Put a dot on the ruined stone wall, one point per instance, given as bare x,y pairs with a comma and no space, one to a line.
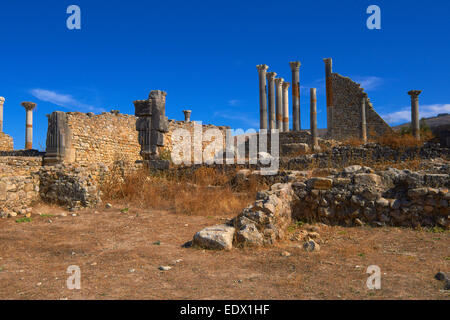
346,114
19,184
102,138
108,137
189,126
6,142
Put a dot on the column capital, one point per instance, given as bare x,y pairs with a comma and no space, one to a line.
279,81
2,100
286,85
363,95
295,65
262,67
414,93
271,76
29,106
328,60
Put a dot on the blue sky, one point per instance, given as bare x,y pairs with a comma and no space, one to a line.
204,54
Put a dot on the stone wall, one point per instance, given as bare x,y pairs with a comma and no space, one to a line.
19,184
359,195
346,113
90,138
105,138
6,142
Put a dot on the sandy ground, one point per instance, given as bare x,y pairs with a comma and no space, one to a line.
119,255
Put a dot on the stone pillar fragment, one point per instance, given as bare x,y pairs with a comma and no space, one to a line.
59,144
2,101
295,68
152,124
286,106
329,92
262,70
271,79
279,104
187,115
363,118
415,124
313,119
29,107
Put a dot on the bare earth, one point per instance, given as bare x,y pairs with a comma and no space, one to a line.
119,258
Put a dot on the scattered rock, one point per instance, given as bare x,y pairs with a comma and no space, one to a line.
311,246
164,268
219,237
108,206
285,254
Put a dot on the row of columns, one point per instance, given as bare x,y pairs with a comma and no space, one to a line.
275,113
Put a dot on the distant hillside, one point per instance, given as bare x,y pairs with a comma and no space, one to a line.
432,122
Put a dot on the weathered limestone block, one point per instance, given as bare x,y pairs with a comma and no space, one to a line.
219,237
249,235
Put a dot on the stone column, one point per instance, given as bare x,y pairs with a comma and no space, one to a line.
313,119
279,123
329,92
286,106
415,124
271,79
2,101
295,68
187,115
29,107
262,70
363,118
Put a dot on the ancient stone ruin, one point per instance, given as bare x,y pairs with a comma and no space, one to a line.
82,149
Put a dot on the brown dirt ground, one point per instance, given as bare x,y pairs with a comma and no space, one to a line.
108,244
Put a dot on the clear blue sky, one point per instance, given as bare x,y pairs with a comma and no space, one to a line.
204,54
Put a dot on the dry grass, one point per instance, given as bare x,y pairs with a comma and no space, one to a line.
402,140
353,142
205,191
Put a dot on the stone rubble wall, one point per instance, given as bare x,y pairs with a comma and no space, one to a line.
346,114
6,142
71,185
359,195
343,156
19,184
352,197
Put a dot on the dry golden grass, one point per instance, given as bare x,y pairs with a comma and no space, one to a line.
353,142
205,191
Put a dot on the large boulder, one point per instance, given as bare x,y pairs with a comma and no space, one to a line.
218,237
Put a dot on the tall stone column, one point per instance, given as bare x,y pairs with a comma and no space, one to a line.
2,101
29,107
262,72
329,92
286,106
271,80
187,115
313,119
295,68
279,111
363,118
415,124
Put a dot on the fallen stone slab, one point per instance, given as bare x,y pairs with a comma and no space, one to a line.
218,237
